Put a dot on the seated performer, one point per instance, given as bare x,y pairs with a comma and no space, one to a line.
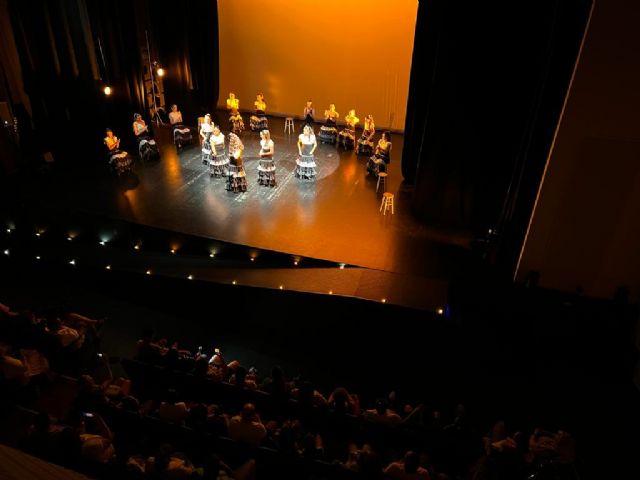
347,137
259,121
305,164
381,158
365,142
147,147
219,164
118,159
205,133
309,114
236,123
328,132
232,103
140,128
266,166
236,180
181,133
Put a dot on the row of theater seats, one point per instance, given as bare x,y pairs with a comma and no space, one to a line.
144,434
152,381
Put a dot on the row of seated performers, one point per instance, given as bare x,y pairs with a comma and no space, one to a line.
257,122
119,159
380,155
122,162
328,132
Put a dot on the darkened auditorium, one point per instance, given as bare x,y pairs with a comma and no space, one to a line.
319,239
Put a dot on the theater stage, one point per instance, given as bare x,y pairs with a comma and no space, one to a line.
336,218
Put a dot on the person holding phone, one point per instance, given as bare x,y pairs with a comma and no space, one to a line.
96,438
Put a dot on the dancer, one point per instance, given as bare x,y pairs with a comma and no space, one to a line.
365,142
233,103
309,114
305,164
206,128
259,121
236,180
266,166
328,132
236,124
140,128
118,159
382,156
147,148
181,133
219,165
347,137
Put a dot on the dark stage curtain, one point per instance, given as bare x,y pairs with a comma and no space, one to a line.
70,49
186,37
484,104
57,42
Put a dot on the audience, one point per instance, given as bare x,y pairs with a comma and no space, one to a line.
407,469
300,423
247,427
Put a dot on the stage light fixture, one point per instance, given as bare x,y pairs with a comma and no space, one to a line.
136,247
72,262
234,282
148,272
160,71
440,311
295,262
212,254
341,265
281,287
107,90
6,252
173,251
384,300
330,292
69,238
108,267
37,257
37,234
190,277
8,230
103,243
253,259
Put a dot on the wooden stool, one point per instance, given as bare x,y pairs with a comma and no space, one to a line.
288,125
382,180
387,203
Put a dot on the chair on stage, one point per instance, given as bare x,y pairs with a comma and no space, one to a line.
288,125
382,181
387,203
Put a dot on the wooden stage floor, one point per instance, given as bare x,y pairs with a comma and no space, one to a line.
335,218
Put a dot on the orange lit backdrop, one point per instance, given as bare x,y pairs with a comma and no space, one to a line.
356,54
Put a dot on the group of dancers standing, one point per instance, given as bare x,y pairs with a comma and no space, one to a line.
231,164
